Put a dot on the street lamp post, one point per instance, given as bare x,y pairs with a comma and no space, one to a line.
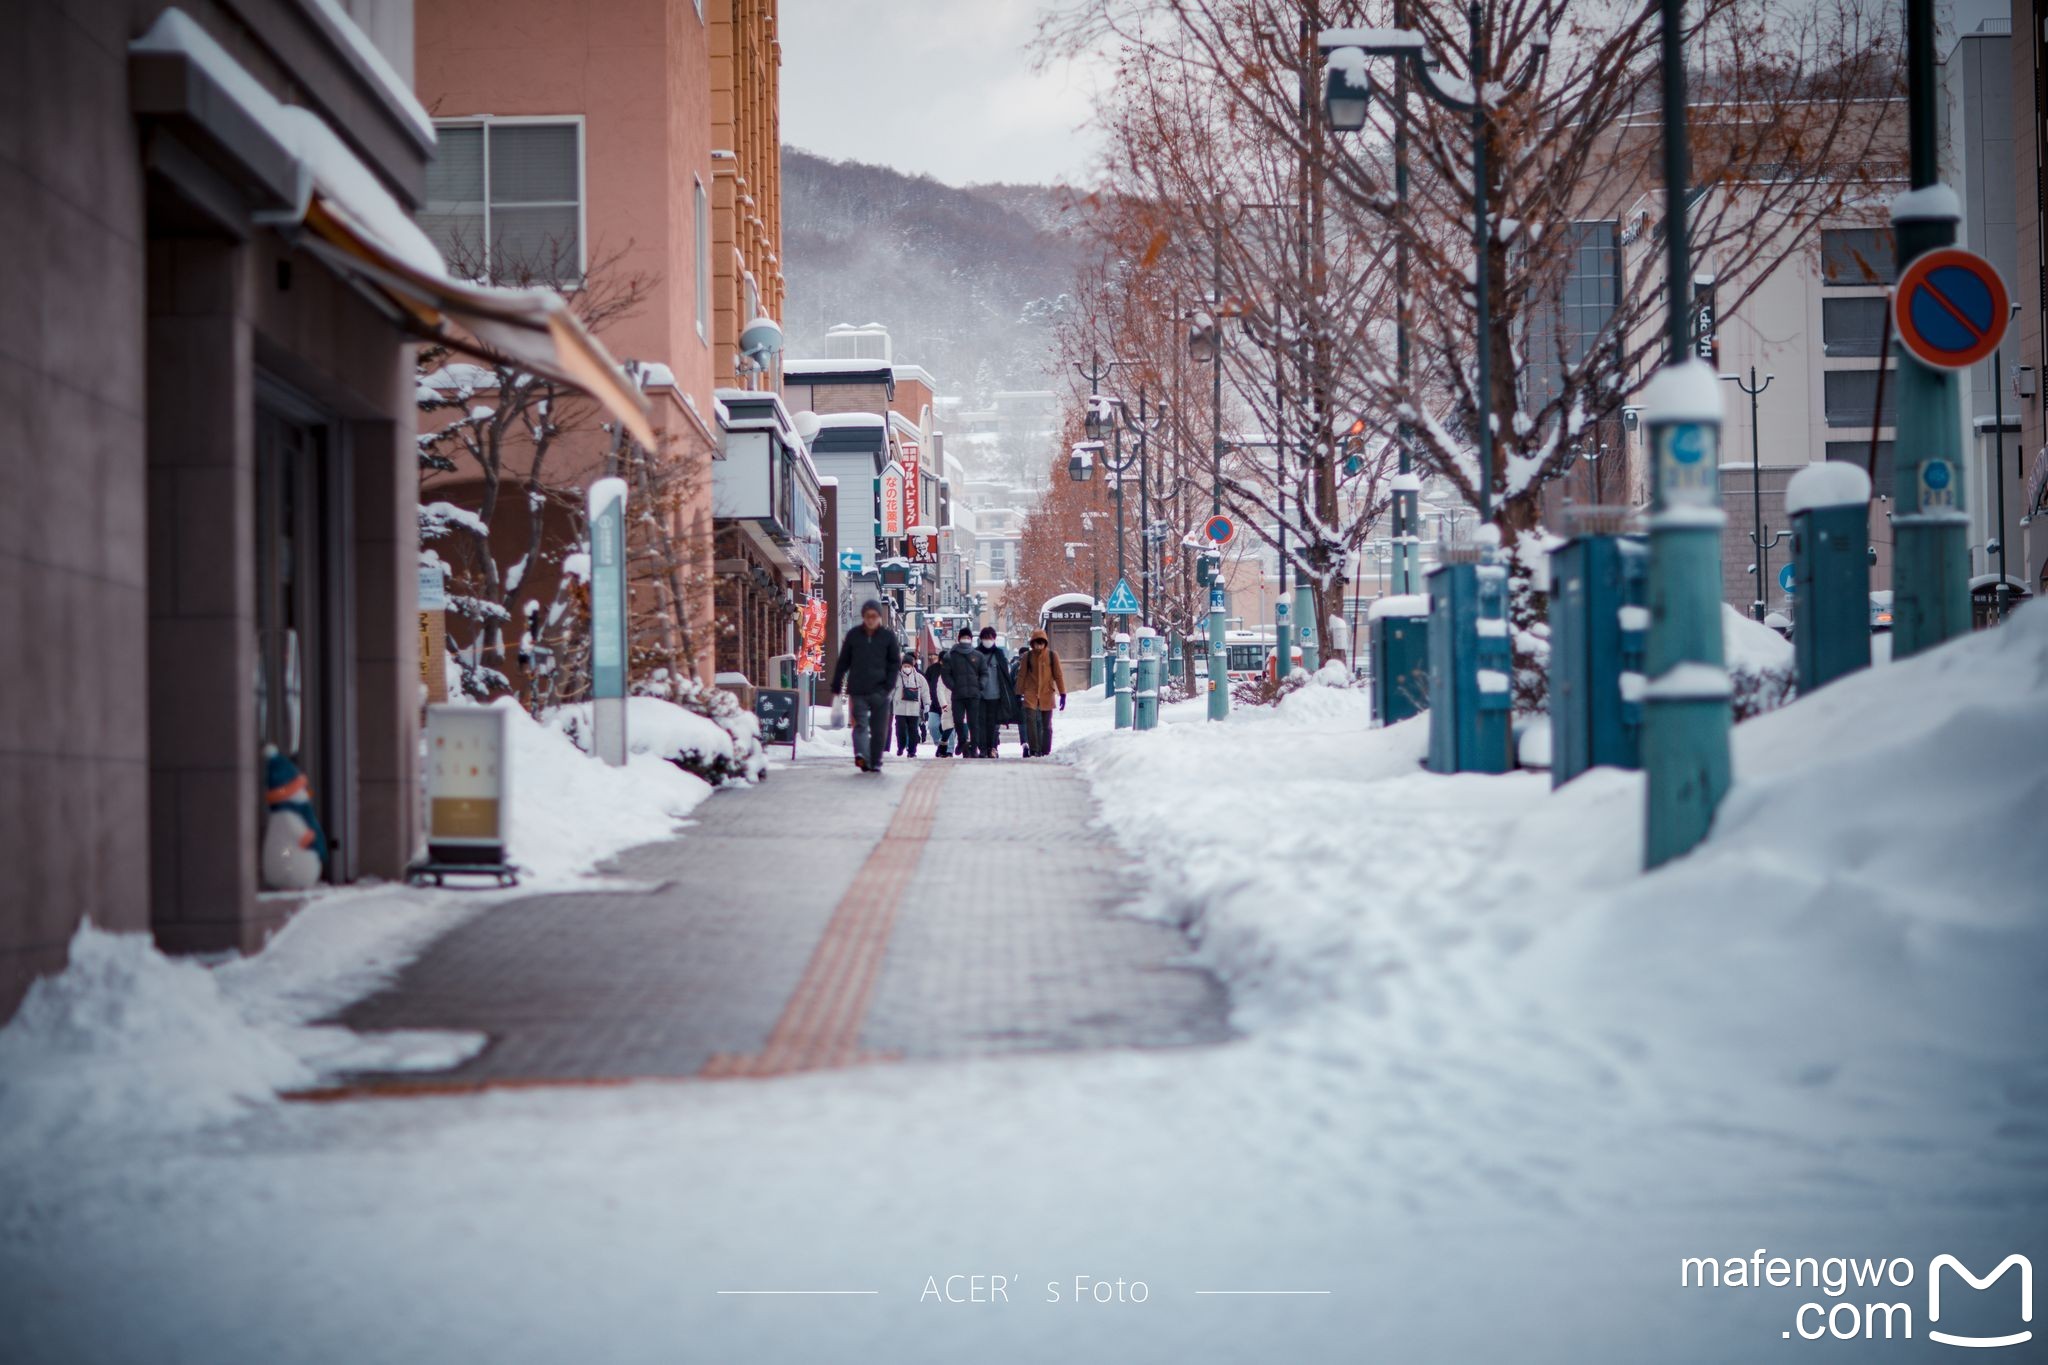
1931,570
1686,700
1345,91
1998,467
1762,568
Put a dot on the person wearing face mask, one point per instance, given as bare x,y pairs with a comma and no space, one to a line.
913,699
1041,687
963,669
997,699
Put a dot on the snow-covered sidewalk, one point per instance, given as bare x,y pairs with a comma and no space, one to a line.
1495,1083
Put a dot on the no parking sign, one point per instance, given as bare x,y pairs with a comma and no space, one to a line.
1950,308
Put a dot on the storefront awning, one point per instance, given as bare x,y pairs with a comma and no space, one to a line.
297,175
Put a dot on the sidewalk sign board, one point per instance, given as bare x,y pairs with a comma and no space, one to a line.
466,776
776,709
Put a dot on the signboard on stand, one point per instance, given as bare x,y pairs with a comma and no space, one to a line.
608,617
466,776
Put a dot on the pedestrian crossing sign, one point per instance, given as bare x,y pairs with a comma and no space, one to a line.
1122,602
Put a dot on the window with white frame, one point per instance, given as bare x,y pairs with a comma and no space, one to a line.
703,205
505,199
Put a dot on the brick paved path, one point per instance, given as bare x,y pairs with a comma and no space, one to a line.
826,918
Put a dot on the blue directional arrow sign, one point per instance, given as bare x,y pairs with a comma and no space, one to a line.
1786,581
851,561
1122,602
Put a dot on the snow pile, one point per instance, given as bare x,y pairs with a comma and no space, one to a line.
128,1040
569,812
1849,965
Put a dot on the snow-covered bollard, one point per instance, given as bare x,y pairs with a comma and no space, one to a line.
1686,715
1829,504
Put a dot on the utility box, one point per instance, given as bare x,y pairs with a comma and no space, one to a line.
1599,623
1399,632
1829,504
1470,668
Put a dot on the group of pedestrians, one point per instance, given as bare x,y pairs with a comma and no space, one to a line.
960,700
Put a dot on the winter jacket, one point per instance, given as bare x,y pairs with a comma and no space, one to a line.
965,670
913,694
867,663
995,677
1040,684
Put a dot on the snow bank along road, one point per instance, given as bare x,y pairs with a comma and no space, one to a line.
1493,1088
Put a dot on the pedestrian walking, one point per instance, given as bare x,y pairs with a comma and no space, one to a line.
913,699
964,670
1041,688
869,660
944,729
998,699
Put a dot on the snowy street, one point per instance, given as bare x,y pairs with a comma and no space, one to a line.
1477,1058
1023,682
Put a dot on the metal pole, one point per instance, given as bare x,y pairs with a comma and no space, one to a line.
1756,495
1998,465
1930,521
1481,281
1144,514
1405,502
1686,715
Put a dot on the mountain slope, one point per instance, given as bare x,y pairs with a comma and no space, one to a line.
948,271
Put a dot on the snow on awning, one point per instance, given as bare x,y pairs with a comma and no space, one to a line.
353,224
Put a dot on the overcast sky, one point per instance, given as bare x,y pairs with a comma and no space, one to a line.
945,87
942,87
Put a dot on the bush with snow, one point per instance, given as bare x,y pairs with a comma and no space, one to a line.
705,732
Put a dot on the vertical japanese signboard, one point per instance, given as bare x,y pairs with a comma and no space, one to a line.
608,618
913,496
893,520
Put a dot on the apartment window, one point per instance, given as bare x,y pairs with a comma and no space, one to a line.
1851,256
703,205
1849,395
1858,454
1852,327
505,200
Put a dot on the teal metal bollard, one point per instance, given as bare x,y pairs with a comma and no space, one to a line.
1685,700
1145,700
1305,627
1283,639
1120,679
1829,504
1399,630
1096,663
1469,676
1598,626
1219,677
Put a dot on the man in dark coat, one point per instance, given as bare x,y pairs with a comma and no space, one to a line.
998,695
869,657
965,668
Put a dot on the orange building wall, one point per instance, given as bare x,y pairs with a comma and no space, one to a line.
639,74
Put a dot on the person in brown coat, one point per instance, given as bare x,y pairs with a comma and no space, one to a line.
1040,688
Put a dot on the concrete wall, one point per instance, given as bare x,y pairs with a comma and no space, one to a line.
2030,344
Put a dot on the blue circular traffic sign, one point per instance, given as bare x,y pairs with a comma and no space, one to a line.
1689,443
1950,308
1935,474
1787,580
